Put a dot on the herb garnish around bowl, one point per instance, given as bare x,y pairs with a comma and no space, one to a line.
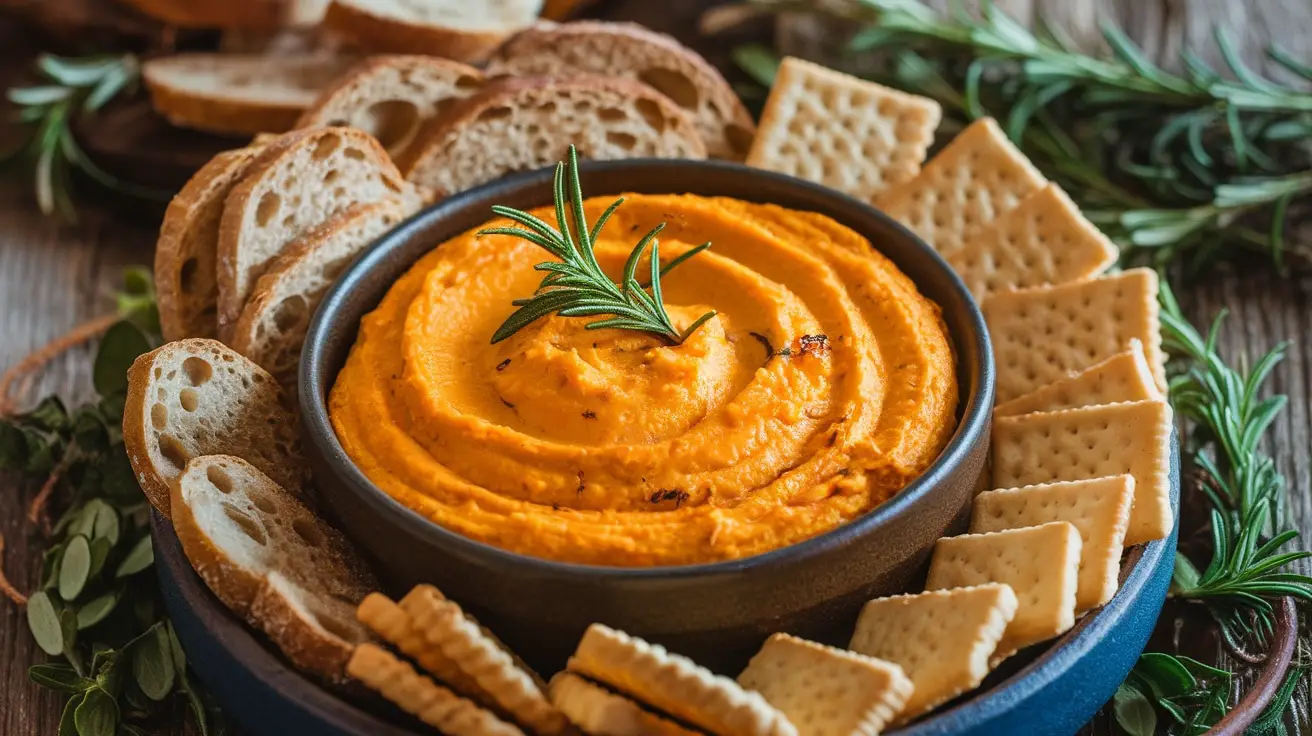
576,286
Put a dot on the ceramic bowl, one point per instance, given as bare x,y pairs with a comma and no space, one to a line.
719,612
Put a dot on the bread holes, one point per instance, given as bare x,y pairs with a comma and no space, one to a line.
268,208
248,526
308,531
159,416
392,122
261,501
468,82
290,312
355,154
198,371
327,144
547,107
652,113
189,398
219,478
622,140
500,112
331,176
611,114
172,450
674,85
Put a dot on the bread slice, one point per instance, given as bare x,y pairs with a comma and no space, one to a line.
186,283
238,94
454,29
272,327
196,397
633,52
389,97
525,123
248,14
297,183
317,632
272,561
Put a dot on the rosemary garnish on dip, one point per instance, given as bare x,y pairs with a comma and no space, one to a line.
575,286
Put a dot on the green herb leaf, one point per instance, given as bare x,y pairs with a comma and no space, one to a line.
139,558
97,715
74,568
1133,712
152,663
121,345
95,610
58,677
1186,575
67,723
1164,674
43,620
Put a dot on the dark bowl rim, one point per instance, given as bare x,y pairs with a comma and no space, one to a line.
314,384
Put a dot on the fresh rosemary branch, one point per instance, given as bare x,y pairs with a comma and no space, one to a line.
97,608
1241,483
71,87
576,286
1170,165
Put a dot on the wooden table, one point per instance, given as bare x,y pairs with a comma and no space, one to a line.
54,276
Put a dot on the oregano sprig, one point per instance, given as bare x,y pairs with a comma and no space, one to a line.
575,285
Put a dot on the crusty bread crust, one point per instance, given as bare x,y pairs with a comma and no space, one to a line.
193,215
235,288
433,141
633,52
391,35
317,633
250,14
186,109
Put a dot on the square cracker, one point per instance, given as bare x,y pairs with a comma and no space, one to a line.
1125,376
1043,334
1099,509
973,180
1040,563
675,684
849,134
594,709
419,696
1094,442
826,691
942,639
1045,240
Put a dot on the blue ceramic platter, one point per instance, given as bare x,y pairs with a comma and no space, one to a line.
1054,690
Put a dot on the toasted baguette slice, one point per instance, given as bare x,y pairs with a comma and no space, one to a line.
247,14
234,94
273,324
525,123
185,273
196,397
317,632
298,182
454,29
389,97
631,51
236,525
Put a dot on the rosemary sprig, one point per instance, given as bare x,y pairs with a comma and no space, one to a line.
1241,483
1170,165
575,286
71,87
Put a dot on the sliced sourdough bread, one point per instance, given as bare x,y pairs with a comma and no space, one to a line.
252,14
317,632
271,560
525,123
297,183
631,51
186,278
390,97
238,94
455,29
196,397
272,327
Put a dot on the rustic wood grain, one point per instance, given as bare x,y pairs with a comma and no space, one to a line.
54,276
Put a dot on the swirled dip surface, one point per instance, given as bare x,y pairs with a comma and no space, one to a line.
824,385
